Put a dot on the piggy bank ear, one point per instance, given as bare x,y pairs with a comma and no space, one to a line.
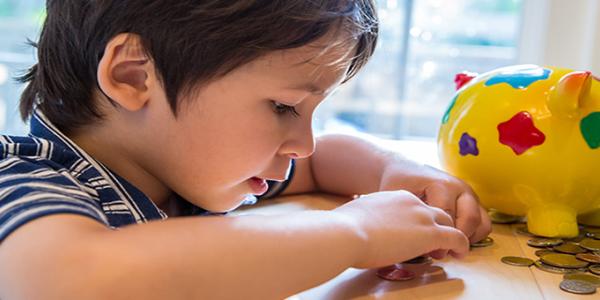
463,78
570,93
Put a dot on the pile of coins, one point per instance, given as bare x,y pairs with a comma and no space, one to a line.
574,258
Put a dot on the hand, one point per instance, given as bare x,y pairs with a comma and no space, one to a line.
439,189
397,226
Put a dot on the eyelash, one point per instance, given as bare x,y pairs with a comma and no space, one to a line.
281,109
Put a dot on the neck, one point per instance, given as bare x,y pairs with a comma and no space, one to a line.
100,143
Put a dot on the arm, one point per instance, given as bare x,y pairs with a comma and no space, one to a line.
66,257
245,257
363,167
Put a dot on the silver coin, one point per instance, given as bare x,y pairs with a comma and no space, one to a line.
577,287
544,242
589,278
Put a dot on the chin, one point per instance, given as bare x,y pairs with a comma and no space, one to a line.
224,204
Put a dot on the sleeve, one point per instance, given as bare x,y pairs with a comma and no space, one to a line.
29,191
277,187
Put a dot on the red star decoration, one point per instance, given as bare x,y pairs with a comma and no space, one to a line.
520,134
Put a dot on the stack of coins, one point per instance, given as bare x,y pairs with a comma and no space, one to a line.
577,259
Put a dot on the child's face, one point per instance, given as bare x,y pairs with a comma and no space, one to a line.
230,132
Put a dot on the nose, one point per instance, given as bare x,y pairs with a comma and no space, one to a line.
300,141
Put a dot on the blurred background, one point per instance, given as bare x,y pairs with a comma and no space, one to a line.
404,90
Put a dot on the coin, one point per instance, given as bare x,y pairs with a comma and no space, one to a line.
419,260
517,261
569,248
542,252
522,230
591,229
502,218
595,269
576,239
395,273
595,280
590,244
577,287
563,261
589,257
488,241
556,270
543,242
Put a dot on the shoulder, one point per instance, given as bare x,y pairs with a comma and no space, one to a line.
33,185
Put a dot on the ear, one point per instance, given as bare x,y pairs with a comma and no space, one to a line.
125,73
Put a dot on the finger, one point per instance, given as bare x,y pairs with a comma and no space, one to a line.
454,241
468,214
441,217
439,253
439,196
484,228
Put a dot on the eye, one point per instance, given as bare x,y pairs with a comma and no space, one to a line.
282,109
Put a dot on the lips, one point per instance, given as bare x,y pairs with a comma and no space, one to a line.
259,186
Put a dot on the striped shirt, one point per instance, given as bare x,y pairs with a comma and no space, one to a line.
46,173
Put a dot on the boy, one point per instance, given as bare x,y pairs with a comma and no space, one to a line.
144,109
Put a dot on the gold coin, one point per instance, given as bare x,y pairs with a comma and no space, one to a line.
569,248
589,257
556,270
543,242
542,252
502,218
522,230
595,280
517,261
590,244
576,239
591,229
577,287
595,269
563,261
488,241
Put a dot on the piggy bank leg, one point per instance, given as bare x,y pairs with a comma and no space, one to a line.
552,220
590,219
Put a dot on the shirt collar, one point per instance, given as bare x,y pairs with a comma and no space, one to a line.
142,208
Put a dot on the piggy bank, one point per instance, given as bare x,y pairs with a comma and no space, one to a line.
527,139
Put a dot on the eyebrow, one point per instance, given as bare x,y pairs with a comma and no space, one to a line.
310,87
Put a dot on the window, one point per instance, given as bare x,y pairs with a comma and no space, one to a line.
19,20
404,90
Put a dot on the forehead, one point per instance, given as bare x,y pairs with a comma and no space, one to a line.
320,64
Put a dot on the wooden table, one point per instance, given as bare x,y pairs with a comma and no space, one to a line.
481,275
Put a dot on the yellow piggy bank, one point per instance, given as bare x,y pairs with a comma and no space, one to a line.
527,139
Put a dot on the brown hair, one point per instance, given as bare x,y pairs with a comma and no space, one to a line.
189,41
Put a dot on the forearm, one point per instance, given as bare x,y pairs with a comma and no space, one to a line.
249,257
348,165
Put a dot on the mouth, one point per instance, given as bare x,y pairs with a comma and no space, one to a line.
259,186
